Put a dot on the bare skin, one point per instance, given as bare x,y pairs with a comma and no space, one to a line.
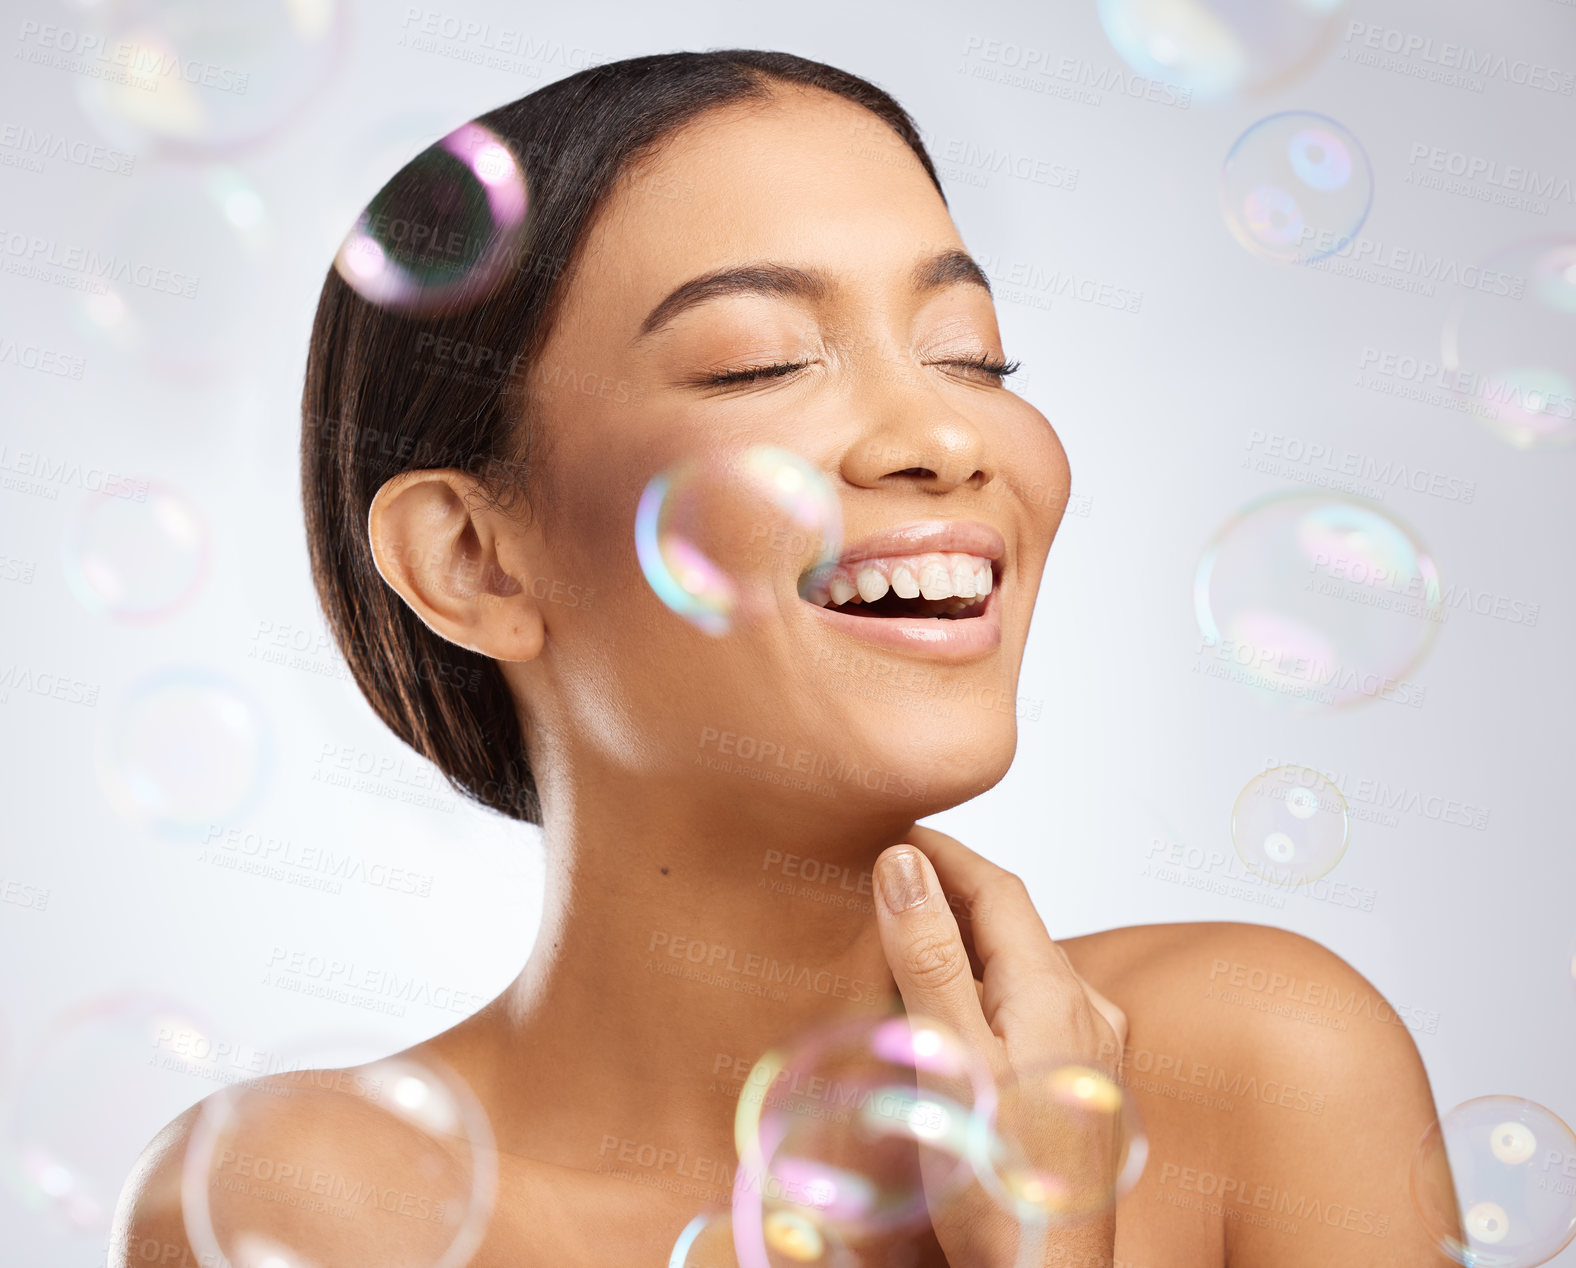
650,847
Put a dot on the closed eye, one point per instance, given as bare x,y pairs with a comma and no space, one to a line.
993,367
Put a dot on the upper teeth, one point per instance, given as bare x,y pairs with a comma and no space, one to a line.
934,575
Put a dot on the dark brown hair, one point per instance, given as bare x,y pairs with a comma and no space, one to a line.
372,407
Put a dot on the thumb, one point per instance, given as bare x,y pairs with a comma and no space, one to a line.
924,948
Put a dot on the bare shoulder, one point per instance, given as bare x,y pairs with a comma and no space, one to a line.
330,1163
148,1227
1302,1077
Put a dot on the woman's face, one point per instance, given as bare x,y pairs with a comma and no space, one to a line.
852,283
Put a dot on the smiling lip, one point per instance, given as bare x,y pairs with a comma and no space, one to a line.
932,637
967,537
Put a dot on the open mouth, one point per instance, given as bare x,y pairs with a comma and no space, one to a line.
944,585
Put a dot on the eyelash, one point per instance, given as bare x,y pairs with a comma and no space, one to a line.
987,364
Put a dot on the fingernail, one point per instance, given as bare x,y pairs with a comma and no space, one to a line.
902,880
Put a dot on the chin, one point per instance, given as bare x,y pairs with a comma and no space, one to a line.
926,763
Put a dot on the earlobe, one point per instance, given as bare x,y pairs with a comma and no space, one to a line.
443,558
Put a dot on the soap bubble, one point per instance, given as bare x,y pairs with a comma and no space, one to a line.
863,1125
177,276
1317,601
1511,346
392,1162
717,537
1492,1181
1052,1122
198,79
1296,187
1290,825
1220,49
785,1239
95,1089
186,748
137,551
445,232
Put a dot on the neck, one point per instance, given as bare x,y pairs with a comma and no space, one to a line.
680,940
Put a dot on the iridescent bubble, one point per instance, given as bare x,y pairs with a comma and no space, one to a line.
185,748
445,232
1220,49
1510,344
1296,187
136,551
1317,602
198,79
105,1077
177,273
1068,1143
289,1171
1290,825
721,539
863,1126
785,1239
1492,1181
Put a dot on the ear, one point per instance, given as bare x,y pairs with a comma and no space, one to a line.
462,565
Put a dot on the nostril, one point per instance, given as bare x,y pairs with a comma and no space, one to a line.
923,473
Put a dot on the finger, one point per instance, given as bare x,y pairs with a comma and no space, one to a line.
924,949
1003,921
1030,984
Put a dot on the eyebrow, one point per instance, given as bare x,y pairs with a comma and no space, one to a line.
947,268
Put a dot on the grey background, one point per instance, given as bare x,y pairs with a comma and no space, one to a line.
1469,928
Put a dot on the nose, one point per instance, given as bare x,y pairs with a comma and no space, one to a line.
914,438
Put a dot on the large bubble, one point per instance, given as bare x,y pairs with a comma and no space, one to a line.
391,1163
104,1078
1317,602
1510,346
1068,1142
1221,49
861,1127
445,232
1492,1180
185,748
177,274
1296,187
137,552
719,538
201,79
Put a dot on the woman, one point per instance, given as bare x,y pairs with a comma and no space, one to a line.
741,248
